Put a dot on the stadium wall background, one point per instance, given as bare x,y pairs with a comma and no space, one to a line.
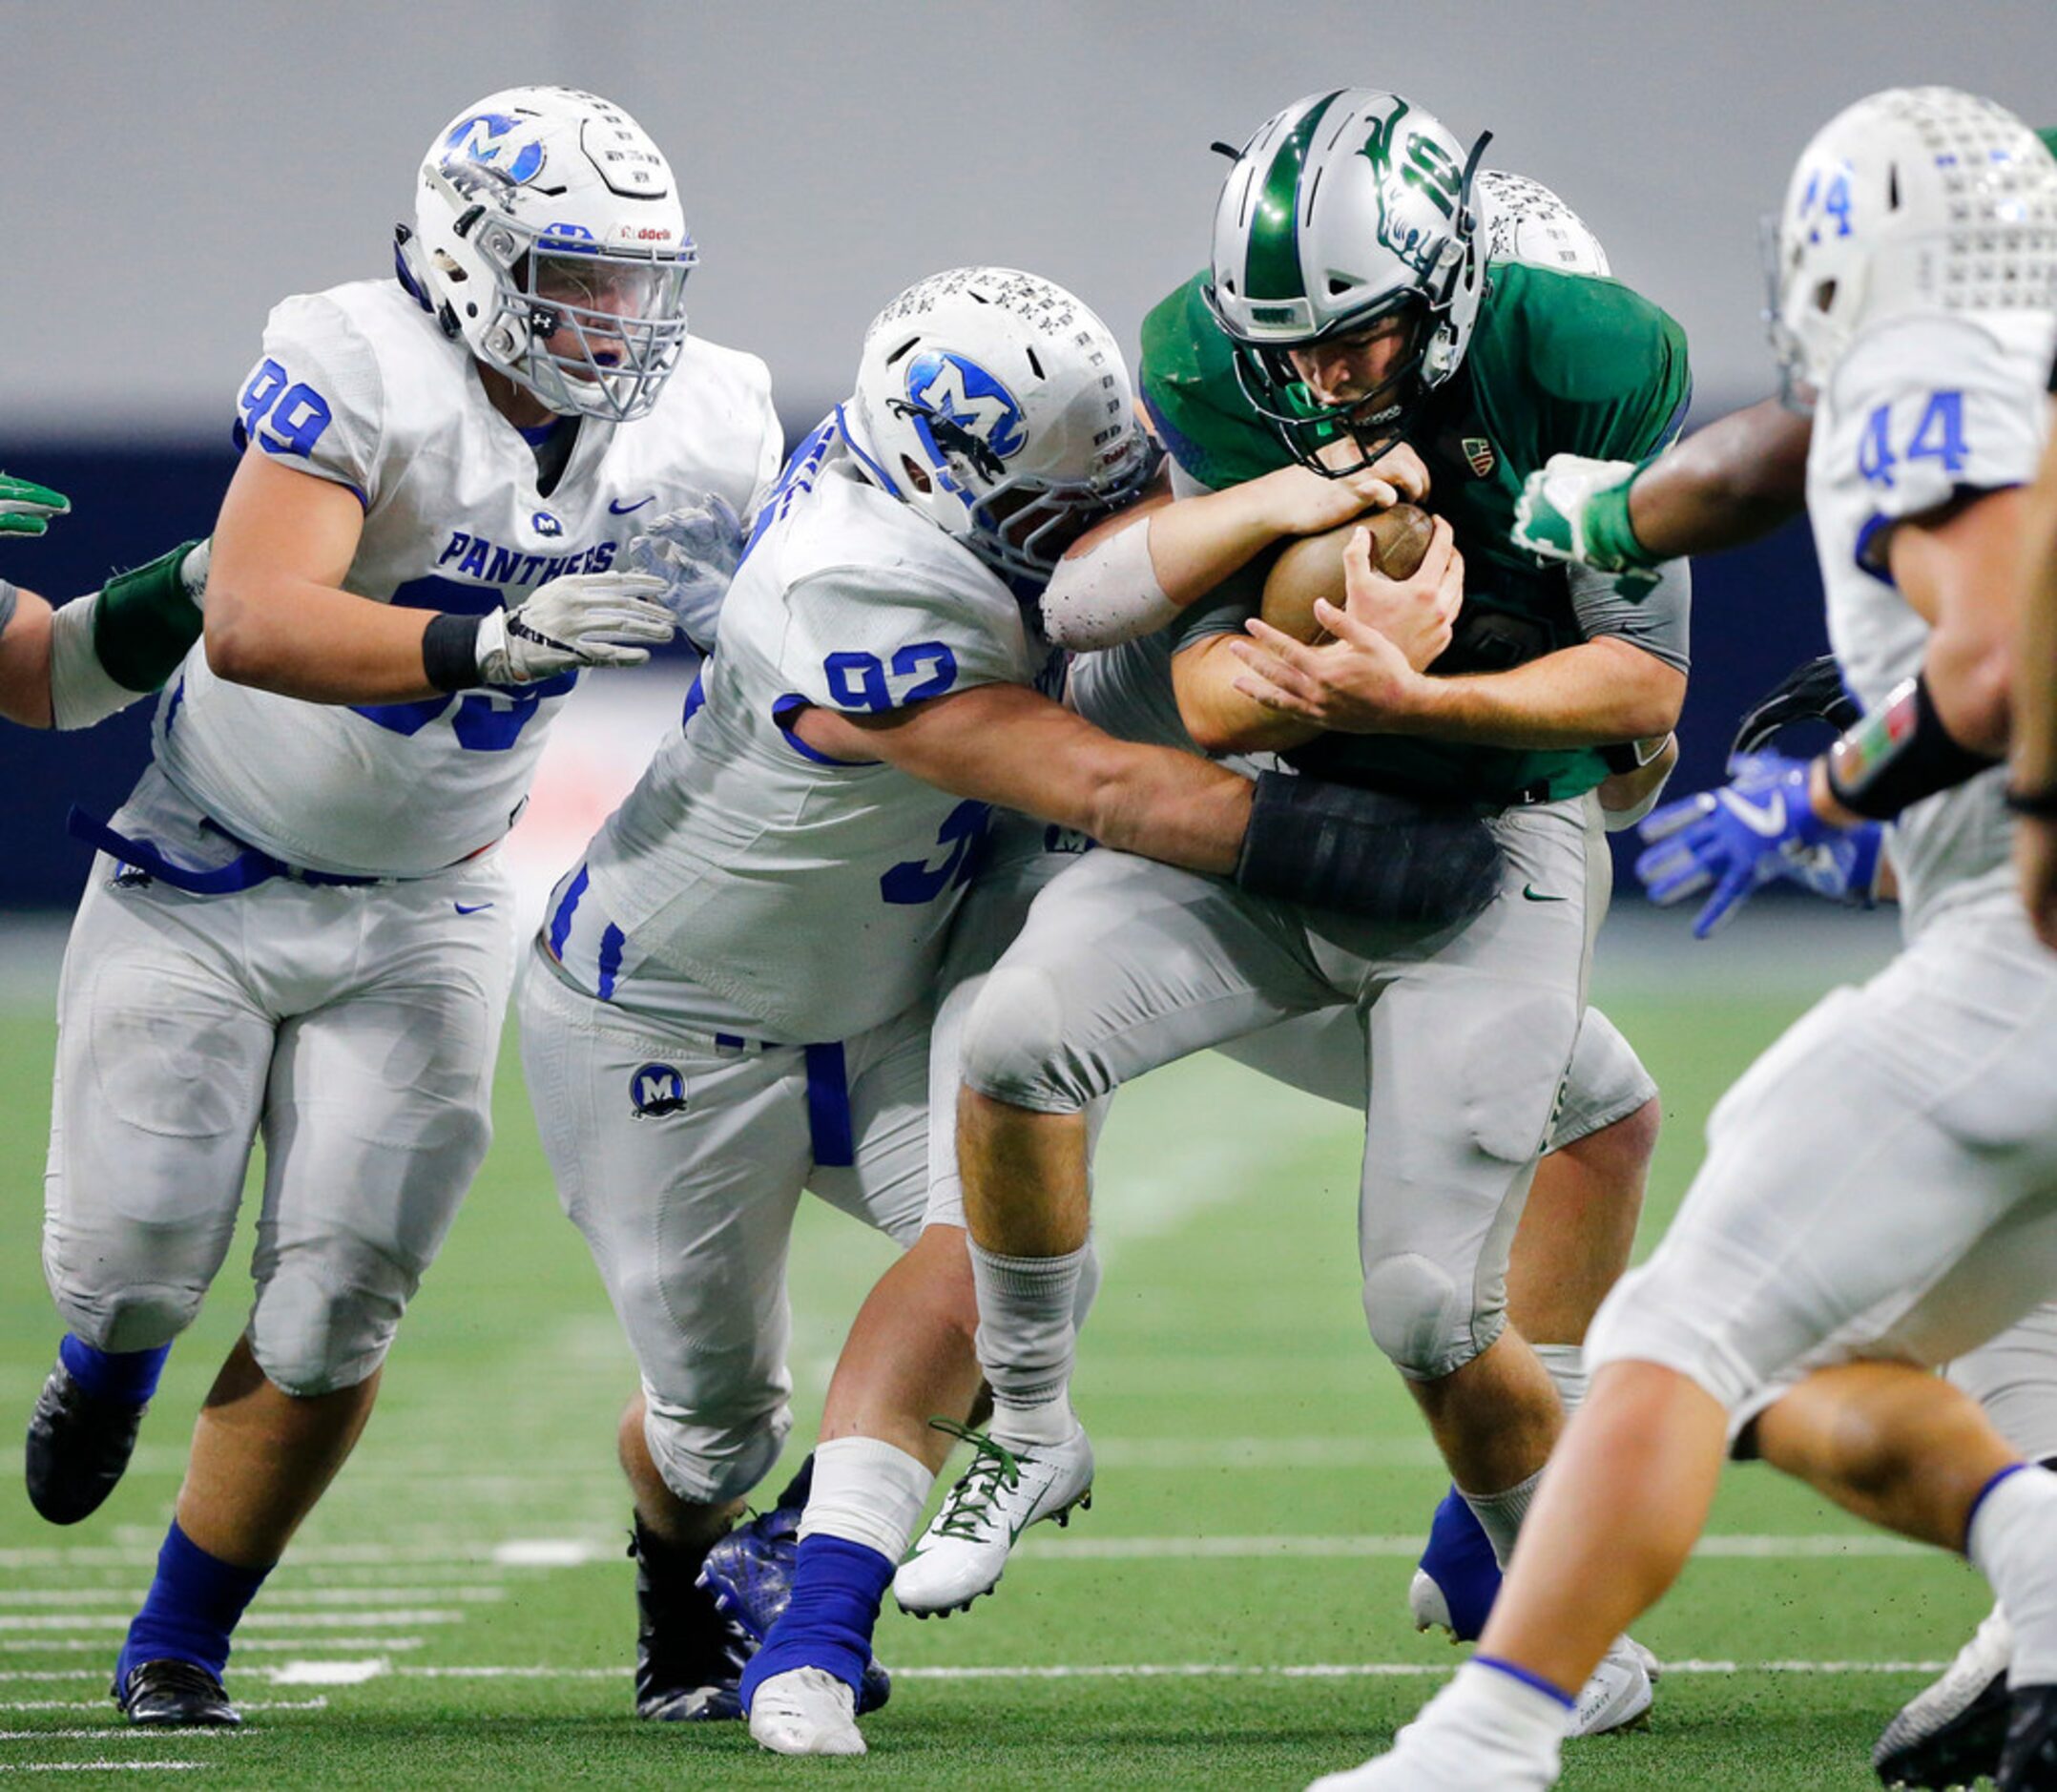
1755,613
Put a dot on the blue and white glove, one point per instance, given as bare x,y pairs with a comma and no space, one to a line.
1759,829
695,550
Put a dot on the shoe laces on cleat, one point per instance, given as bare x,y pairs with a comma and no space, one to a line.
971,1504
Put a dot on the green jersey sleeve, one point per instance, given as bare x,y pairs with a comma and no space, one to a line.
1195,401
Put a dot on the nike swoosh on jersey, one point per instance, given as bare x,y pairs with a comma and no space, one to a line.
1770,821
1529,893
619,508
470,909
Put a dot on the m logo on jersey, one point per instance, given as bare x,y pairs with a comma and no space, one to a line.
960,408
480,139
655,1090
545,524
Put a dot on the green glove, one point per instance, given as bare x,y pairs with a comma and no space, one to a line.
1577,510
26,509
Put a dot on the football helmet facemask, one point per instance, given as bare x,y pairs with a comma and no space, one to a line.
998,406
548,236
1344,209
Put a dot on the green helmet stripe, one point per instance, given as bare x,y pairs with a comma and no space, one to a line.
1272,270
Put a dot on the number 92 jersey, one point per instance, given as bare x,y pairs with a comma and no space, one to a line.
816,894
1920,410
359,386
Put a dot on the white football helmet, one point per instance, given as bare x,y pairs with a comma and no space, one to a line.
999,406
1521,219
1346,208
1915,199
548,235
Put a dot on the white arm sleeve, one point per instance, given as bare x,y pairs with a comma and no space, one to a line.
81,691
1106,595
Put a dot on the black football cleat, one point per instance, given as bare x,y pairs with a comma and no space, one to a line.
689,1655
2028,1762
1950,1732
78,1446
175,1695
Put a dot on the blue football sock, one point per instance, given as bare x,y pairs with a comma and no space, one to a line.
1459,1559
192,1605
837,1587
128,1377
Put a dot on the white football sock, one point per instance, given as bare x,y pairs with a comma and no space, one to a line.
1026,1341
866,1492
2013,1543
1500,1515
1497,1729
1566,1366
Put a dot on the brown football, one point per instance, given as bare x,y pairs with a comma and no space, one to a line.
1312,567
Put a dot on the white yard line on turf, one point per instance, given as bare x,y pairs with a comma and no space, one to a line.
127,1732
103,1766
1196,1670
1259,1548
245,1645
252,1620
317,1703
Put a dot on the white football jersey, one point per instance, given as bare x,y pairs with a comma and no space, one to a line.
359,386
812,894
1919,411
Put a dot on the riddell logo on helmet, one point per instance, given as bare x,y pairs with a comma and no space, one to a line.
653,236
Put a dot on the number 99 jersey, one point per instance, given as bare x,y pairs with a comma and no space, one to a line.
812,893
359,386
1922,409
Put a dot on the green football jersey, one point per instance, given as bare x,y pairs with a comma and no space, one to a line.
1558,364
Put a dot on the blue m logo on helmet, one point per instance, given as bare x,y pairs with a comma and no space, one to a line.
953,399
478,139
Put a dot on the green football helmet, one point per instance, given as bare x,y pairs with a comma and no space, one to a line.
1345,209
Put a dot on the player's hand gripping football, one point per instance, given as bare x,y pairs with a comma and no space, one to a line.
1298,501
1577,510
1759,829
582,620
1368,678
26,507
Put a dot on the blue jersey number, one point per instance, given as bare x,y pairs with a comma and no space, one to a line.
962,832
864,681
1938,436
292,415
485,721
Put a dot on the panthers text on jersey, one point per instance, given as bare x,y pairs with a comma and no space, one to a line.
1920,410
359,386
811,893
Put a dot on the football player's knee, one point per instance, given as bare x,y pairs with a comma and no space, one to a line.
1649,1318
708,1459
1424,1320
312,1334
1013,1044
140,1318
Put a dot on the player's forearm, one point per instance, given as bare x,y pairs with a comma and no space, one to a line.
1596,693
314,642
1219,717
1730,483
1161,803
25,663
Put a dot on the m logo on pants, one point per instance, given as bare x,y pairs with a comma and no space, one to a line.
655,1090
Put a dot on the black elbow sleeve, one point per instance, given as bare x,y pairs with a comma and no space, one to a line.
1387,858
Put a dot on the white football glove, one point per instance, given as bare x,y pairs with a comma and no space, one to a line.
583,620
1568,511
694,550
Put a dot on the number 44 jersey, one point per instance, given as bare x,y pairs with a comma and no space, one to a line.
811,893
1920,410
358,386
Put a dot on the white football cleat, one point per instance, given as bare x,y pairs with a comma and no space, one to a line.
965,1550
1619,1695
807,1711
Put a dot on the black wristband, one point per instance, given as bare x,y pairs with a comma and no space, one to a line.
1387,858
2038,805
451,651
1898,753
